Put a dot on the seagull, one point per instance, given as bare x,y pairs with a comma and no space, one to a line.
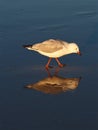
54,49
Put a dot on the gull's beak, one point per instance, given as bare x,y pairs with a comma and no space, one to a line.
79,53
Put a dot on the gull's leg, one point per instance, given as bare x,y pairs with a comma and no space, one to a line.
60,65
47,65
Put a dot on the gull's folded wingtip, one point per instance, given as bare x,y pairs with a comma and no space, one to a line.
25,46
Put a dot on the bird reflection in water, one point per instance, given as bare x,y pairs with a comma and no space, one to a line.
55,84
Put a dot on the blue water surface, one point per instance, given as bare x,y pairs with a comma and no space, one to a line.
32,21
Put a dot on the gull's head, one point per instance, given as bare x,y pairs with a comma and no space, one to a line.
74,48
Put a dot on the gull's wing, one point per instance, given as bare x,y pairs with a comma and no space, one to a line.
49,46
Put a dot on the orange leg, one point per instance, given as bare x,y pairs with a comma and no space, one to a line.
60,65
47,65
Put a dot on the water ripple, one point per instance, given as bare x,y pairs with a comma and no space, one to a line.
53,27
86,13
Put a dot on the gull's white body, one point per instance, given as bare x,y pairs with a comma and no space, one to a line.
55,54
54,48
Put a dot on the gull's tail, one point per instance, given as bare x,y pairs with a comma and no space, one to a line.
28,47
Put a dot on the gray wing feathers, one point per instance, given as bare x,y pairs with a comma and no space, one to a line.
49,46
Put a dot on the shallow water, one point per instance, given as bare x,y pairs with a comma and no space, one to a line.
26,22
